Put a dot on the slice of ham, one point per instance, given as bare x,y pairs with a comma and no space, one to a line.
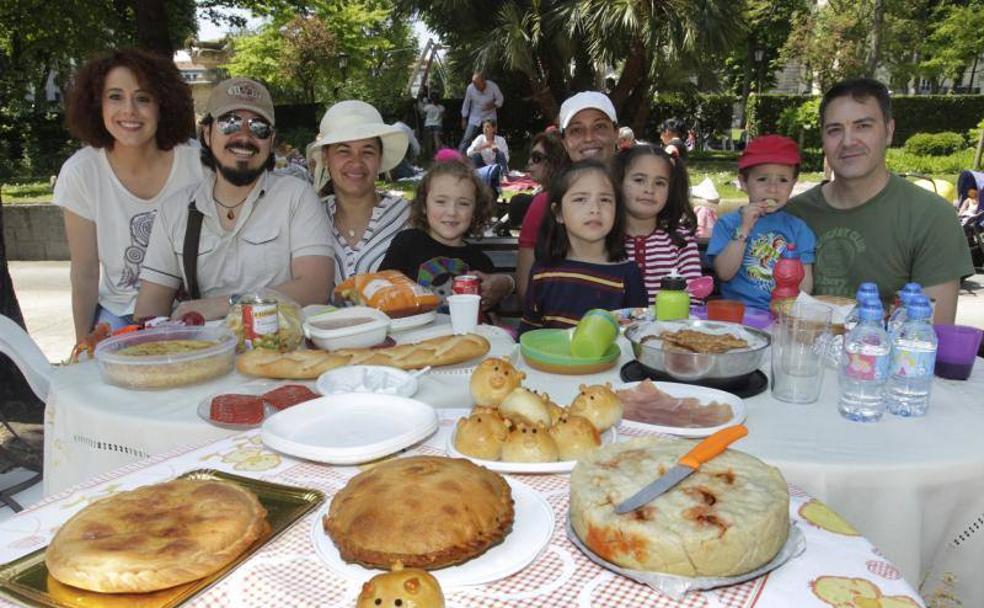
647,404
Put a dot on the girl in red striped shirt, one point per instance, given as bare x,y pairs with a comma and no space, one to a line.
659,220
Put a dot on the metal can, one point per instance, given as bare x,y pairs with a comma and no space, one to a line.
466,283
261,324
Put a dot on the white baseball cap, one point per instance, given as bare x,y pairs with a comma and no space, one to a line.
586,100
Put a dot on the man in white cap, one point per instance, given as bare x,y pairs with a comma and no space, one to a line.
587,124
241,229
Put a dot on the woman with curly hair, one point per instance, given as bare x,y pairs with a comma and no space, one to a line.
134,113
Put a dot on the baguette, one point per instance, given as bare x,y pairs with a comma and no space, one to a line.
309,364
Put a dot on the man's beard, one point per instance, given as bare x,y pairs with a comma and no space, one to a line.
241,174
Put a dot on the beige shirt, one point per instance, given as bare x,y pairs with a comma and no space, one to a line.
281,219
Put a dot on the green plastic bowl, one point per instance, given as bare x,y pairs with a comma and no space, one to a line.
549,350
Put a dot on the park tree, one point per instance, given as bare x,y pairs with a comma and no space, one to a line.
336,49
557,47
831,41
954,43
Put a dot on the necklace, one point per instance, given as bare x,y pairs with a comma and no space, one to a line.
230,209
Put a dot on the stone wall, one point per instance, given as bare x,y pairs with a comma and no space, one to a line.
34,232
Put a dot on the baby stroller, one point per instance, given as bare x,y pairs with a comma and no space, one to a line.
971,215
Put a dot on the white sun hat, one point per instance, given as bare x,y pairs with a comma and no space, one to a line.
353,120
586,100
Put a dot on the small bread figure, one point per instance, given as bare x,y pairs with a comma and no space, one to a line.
481,434
492,380
529,443
523,405
599,404
575,437
555,410
407,588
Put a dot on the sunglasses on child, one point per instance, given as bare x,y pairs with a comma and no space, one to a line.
230,123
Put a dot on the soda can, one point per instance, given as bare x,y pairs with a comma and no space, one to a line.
466,283
261,325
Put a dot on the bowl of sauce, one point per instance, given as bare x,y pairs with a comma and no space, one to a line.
353,327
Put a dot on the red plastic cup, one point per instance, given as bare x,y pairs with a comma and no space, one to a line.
725,310
957,350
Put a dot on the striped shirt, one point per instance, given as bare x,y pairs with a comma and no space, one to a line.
656,256
389,217
559,295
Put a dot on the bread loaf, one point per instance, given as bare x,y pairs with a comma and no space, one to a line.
309,364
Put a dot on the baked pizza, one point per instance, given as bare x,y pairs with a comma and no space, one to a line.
424,511
156,536
727,518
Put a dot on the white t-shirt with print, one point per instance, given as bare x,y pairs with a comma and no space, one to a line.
88,187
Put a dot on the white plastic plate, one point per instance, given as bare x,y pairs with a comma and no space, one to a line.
349,428
703,394
412,321
561,466
257,388
531,531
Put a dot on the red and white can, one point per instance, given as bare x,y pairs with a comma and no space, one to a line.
260,322
466,283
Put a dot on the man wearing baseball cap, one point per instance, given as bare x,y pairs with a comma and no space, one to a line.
746,244
587,125
242,228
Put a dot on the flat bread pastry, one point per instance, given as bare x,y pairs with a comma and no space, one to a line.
309,364
727,518
157,536
424,511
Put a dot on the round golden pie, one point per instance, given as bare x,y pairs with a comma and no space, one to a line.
727,518
424,511
155,537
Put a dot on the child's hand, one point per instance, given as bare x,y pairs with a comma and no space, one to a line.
493,288
751,213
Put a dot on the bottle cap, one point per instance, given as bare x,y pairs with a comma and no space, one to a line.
871,310
673,282
913,288
919,310
867,288
790,253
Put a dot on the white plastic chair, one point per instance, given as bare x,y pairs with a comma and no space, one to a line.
24,351
37,370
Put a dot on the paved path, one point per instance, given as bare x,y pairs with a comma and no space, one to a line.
43,292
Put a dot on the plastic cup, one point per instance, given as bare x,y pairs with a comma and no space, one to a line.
957,350
464,312
799,340
725,310
594,334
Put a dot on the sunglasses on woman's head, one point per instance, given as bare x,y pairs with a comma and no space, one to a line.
537,157
230,123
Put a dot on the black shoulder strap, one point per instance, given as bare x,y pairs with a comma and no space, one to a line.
189,252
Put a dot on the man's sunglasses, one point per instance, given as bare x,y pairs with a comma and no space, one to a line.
230,123
537,157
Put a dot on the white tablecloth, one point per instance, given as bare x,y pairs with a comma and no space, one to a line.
915,487
837,566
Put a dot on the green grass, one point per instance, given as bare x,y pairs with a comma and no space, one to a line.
29,192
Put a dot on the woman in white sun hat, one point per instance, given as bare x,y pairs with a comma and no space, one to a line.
353,147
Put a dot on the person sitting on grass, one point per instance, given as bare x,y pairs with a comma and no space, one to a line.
489,149
746,244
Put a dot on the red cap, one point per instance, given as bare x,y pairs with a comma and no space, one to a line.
769,149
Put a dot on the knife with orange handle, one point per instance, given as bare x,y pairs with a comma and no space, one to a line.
705,450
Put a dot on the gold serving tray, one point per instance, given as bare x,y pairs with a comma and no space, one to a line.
26,580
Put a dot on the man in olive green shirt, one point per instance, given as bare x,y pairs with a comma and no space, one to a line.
872,225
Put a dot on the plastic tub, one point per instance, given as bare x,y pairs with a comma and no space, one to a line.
166,370
329,332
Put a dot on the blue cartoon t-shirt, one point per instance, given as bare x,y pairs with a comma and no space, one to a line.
753,283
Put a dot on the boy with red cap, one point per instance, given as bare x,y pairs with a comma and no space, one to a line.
746,244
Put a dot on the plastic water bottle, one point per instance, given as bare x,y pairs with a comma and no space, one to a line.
900,314
913,360
865,291
864,366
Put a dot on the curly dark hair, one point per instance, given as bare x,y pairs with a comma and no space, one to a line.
156,73
677,214
552,243
461,170
557,158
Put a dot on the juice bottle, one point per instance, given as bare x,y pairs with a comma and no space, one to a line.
788,273
673,300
